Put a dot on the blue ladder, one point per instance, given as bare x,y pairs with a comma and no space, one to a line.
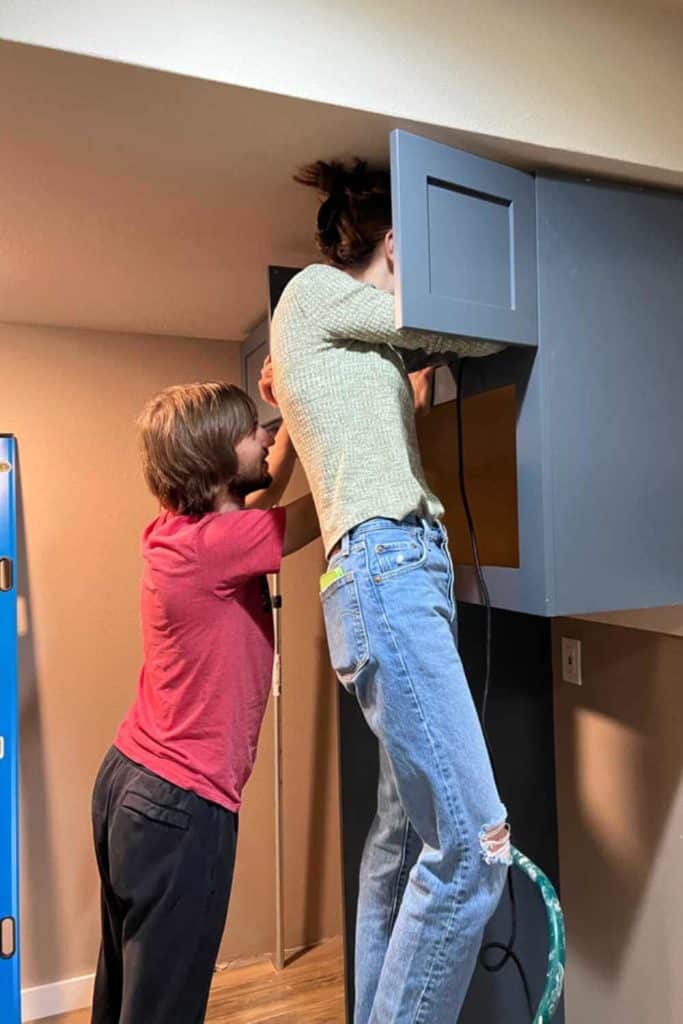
10,979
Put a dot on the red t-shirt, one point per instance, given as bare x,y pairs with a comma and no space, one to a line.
208,649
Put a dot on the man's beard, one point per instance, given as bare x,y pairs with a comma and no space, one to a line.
241,486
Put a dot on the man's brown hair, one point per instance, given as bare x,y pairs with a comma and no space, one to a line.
188,436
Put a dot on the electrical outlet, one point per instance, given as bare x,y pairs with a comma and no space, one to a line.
571,661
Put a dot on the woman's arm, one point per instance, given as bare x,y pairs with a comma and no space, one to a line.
351,310
282,457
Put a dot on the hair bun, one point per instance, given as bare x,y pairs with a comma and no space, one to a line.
355,211
327,178
327,220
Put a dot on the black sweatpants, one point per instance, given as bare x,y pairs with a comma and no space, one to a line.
166,860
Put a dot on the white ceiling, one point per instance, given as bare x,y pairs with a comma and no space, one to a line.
135,200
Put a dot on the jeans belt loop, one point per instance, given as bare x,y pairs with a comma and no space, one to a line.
340,548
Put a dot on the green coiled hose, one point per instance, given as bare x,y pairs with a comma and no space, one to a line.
554,978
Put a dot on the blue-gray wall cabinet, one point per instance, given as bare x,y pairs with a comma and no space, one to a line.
600,400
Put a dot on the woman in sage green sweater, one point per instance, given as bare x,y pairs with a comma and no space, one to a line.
436,857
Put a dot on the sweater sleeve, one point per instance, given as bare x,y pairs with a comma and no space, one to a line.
349,310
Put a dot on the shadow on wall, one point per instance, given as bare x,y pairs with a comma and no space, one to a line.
39,888
619,768
312,847
321,773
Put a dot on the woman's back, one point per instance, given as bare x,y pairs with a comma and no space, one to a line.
347,401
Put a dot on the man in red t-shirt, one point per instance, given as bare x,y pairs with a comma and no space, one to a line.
167,795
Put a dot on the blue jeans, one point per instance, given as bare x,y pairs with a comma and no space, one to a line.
435,860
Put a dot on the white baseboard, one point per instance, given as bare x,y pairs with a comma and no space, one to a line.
60,997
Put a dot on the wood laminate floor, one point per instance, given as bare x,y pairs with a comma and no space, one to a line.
310,990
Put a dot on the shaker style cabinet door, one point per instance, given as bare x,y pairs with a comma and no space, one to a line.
465,232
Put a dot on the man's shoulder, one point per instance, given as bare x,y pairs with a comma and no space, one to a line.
170,542
238,522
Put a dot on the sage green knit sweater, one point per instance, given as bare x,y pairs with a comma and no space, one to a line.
346,399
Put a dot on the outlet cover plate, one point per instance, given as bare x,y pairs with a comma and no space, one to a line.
571,661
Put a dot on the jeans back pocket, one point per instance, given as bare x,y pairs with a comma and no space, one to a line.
347,638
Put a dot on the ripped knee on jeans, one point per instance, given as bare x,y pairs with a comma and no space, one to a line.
494,841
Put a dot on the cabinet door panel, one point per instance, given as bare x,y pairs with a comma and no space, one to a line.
466,242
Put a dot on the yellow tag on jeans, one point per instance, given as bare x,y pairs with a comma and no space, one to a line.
328,578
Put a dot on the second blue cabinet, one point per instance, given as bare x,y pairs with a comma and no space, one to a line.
585,280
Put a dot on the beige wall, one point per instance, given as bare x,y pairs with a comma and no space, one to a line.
71,398
593,77
619,761
668,619
311,761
